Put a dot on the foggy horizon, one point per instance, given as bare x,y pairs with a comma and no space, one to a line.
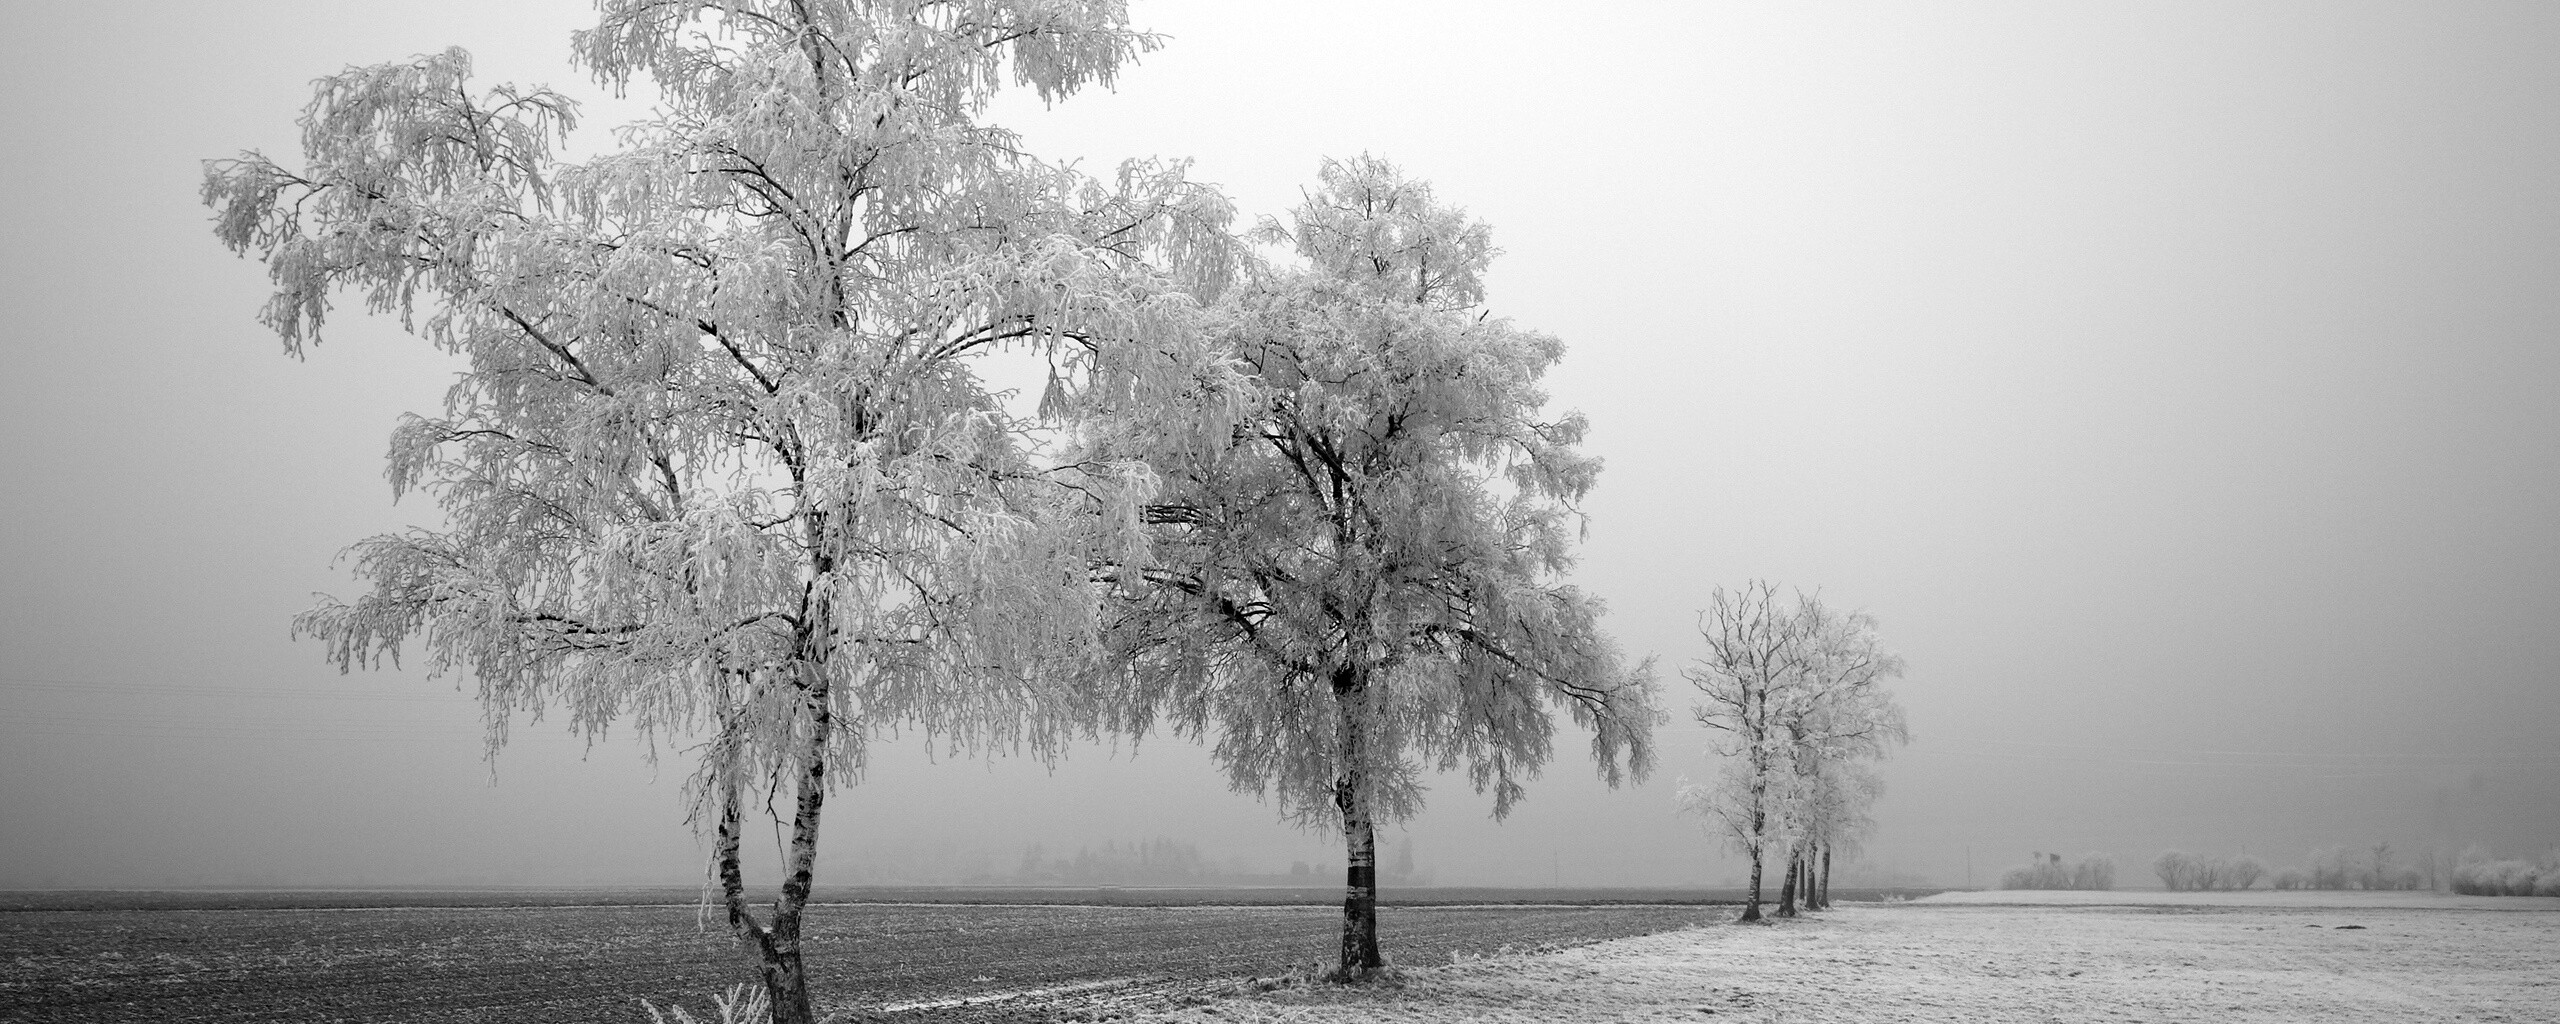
2178,387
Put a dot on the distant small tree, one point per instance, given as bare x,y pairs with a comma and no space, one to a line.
2181,872
2176,870
1357,577
1754,654
2095,871
1841,714
1796,691
719,464
1837,819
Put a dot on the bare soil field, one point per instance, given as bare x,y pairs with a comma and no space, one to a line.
590,963
973,895
2006,957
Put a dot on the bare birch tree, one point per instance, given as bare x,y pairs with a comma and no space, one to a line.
1358,579
720,466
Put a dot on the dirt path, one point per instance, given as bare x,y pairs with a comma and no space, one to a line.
1942,962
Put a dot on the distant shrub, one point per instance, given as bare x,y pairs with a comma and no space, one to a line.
2180,872
2048,871
2337,868
2506,878
2372,869
2176,870
2095,871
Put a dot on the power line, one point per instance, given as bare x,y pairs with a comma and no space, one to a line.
132,710
110,688
1933,744
2297,755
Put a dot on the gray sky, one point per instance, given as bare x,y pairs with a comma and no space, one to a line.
2179,385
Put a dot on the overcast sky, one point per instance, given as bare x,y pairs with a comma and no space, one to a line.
2178,384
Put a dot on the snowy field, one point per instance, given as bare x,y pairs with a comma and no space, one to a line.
2127,956
2341,899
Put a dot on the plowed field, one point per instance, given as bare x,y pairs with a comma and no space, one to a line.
591,963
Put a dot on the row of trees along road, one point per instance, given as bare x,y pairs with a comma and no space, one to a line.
722,467
1794,691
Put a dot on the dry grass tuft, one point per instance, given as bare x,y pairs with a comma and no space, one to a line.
742,1004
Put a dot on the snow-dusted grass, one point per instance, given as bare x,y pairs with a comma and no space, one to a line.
1941,960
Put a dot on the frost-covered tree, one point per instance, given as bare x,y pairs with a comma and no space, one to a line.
1753,656
1796,691
1358,575
720,464
1840,715
1836,820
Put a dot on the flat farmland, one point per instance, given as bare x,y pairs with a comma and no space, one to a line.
2005,958
1131,896
591,962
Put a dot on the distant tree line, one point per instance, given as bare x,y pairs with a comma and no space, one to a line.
1149,862
2472,873
1168,862
2509,877
2374,868
2181,872
2371,868
2049,871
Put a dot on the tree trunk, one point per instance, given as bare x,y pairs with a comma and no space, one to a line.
1360,955
777,944
1360,901
1787,890
1826,876
786,983
1759,851
786,987
1751,905
724,858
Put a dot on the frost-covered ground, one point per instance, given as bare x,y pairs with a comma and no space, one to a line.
2209,957
2342,899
